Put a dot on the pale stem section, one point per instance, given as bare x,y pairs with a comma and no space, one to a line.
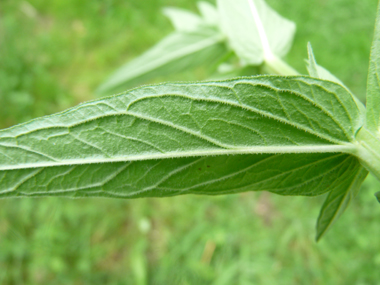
272,62
369,151
280,67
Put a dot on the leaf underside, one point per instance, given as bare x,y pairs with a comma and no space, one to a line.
285,174
373,82
344,190
206,138
242,30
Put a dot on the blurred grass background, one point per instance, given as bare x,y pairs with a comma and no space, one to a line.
53,54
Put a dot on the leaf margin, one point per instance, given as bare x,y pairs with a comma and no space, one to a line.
373,81
344,197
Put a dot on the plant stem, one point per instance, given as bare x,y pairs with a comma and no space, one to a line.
369,151
277,66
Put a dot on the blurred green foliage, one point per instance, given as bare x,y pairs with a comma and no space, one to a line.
53,54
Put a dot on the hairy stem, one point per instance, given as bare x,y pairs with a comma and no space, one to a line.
369,151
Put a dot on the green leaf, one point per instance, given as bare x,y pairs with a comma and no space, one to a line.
287,135
254,30
186,21
175,53
183,20
196,42
344,189
373,82
311,63
318,71
378,196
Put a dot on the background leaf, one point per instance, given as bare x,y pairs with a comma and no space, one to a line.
373,81
147,141
209,13
238,24
175,53
183,20
343,191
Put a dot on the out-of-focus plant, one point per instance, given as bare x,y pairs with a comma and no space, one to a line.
290,135
247,33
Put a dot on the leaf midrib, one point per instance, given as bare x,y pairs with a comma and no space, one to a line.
267,51
342,148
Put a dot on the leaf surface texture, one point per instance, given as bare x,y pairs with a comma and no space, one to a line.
343,192
287,136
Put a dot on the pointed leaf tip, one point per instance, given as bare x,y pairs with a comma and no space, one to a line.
312,66
339,198
317,71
